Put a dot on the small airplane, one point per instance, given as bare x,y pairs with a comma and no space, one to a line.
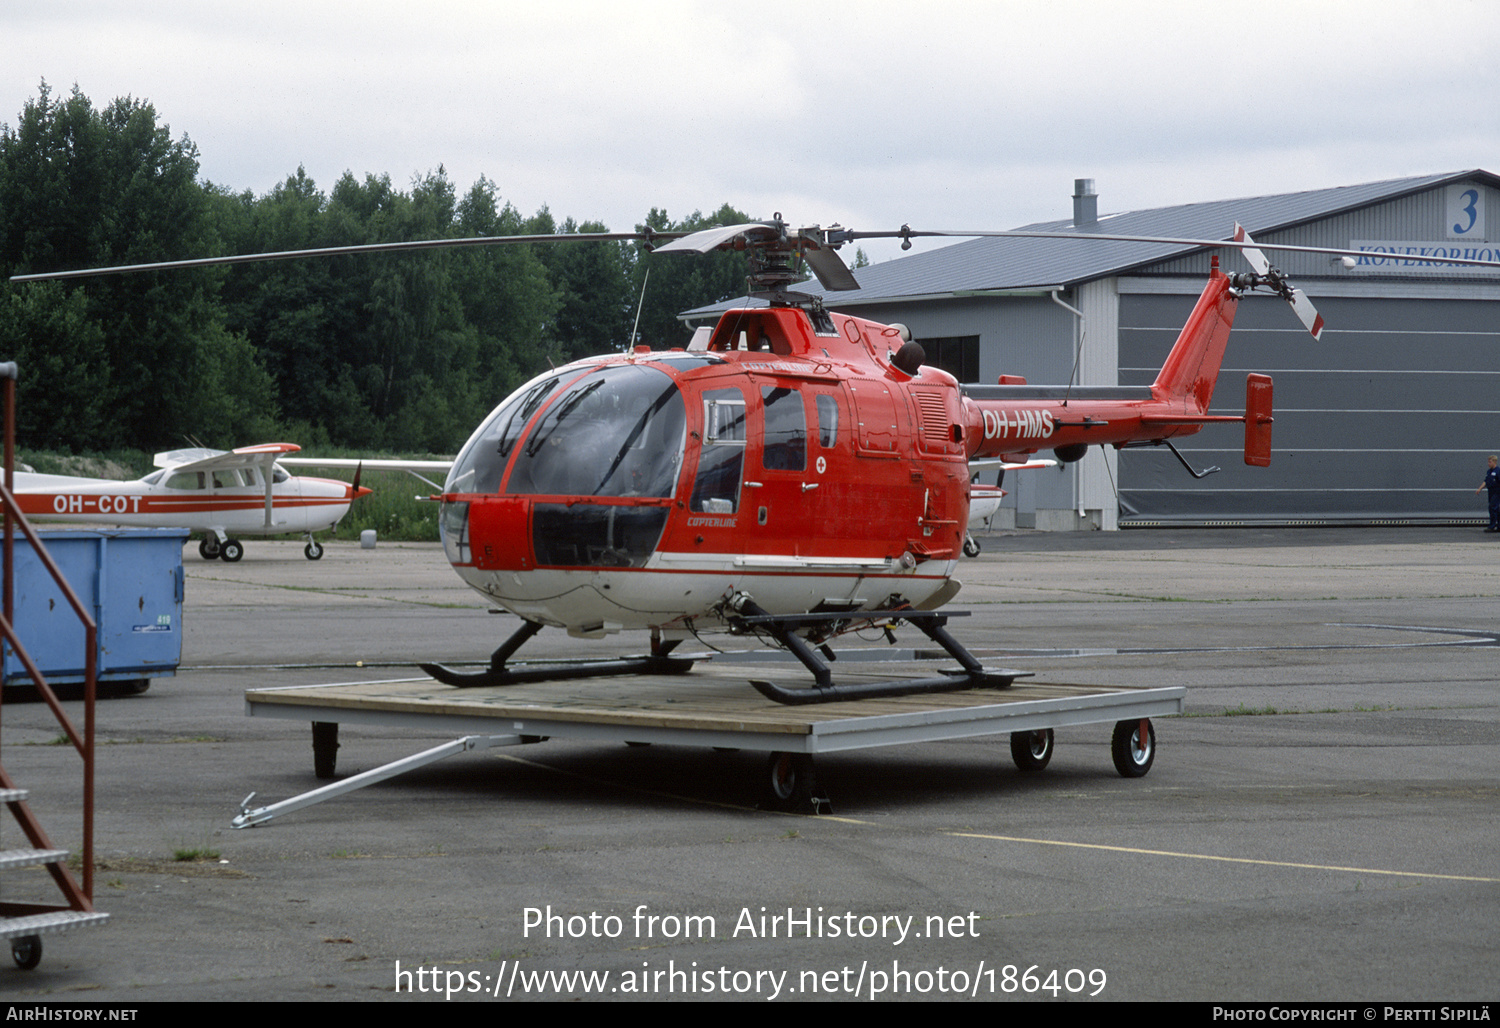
792,474
222,494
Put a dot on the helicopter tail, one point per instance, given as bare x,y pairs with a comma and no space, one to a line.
1192,368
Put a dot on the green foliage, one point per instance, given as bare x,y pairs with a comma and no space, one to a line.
367,351
678,282
127,359
120,465
392,509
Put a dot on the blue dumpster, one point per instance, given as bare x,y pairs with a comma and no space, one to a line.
130,580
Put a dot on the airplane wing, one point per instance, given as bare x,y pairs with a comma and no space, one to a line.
202,459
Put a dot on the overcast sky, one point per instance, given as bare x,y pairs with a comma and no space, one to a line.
870,113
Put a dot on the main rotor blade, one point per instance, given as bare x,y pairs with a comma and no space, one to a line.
830,269
330,251
906,233
718,238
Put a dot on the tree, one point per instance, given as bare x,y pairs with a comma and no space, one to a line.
679,282
82,188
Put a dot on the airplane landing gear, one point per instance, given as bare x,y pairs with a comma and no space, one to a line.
211,548
313,551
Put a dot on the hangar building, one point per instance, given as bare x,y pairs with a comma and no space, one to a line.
1388,419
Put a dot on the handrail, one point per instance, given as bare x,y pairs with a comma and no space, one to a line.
13,517
90,628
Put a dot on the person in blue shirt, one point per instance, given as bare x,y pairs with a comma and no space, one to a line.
1492,483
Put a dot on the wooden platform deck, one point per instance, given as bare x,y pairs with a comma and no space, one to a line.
714,704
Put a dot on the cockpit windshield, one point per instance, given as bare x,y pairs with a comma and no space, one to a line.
616,430
481,463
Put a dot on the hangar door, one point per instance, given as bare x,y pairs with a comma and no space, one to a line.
1389,417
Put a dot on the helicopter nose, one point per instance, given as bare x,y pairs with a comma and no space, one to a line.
491,532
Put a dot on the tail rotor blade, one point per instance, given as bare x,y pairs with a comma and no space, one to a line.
1303,308
1301,305
1252,254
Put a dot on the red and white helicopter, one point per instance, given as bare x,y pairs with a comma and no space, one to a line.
794,473
221,494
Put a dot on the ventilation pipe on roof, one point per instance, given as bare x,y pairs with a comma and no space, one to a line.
1085,203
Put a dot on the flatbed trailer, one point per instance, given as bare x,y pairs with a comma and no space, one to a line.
712,706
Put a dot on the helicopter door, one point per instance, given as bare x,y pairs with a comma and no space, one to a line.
721,461
779,502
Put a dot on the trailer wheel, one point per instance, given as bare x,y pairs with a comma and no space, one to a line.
26,951
1133,747
789,781
325,748
1032,751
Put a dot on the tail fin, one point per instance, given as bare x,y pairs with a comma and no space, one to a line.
1192,368
1258,420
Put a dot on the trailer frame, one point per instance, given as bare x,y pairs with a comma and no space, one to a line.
710,707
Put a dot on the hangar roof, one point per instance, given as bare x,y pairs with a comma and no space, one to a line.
1006,263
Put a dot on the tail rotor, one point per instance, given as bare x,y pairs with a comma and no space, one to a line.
1276,280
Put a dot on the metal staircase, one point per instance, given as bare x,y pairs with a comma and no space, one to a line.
24,924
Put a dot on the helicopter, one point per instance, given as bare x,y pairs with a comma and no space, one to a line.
793,473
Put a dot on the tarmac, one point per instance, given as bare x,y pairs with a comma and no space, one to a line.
1321,825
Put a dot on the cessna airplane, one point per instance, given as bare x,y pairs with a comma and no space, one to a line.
223,495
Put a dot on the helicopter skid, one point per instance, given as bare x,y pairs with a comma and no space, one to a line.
784,629
952,681
560,671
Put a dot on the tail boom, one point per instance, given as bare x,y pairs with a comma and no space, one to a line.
1012,419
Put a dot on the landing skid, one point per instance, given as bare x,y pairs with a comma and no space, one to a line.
658,662
753,619
784,627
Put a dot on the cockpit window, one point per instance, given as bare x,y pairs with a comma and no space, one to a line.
786,430
481,463
616,431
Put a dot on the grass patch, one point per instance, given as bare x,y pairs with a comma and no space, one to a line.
194,856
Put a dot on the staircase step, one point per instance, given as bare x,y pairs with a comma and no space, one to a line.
27,857
49,923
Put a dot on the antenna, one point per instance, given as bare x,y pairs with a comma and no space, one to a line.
640,304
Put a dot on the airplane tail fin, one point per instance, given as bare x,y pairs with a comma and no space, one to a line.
1192,368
